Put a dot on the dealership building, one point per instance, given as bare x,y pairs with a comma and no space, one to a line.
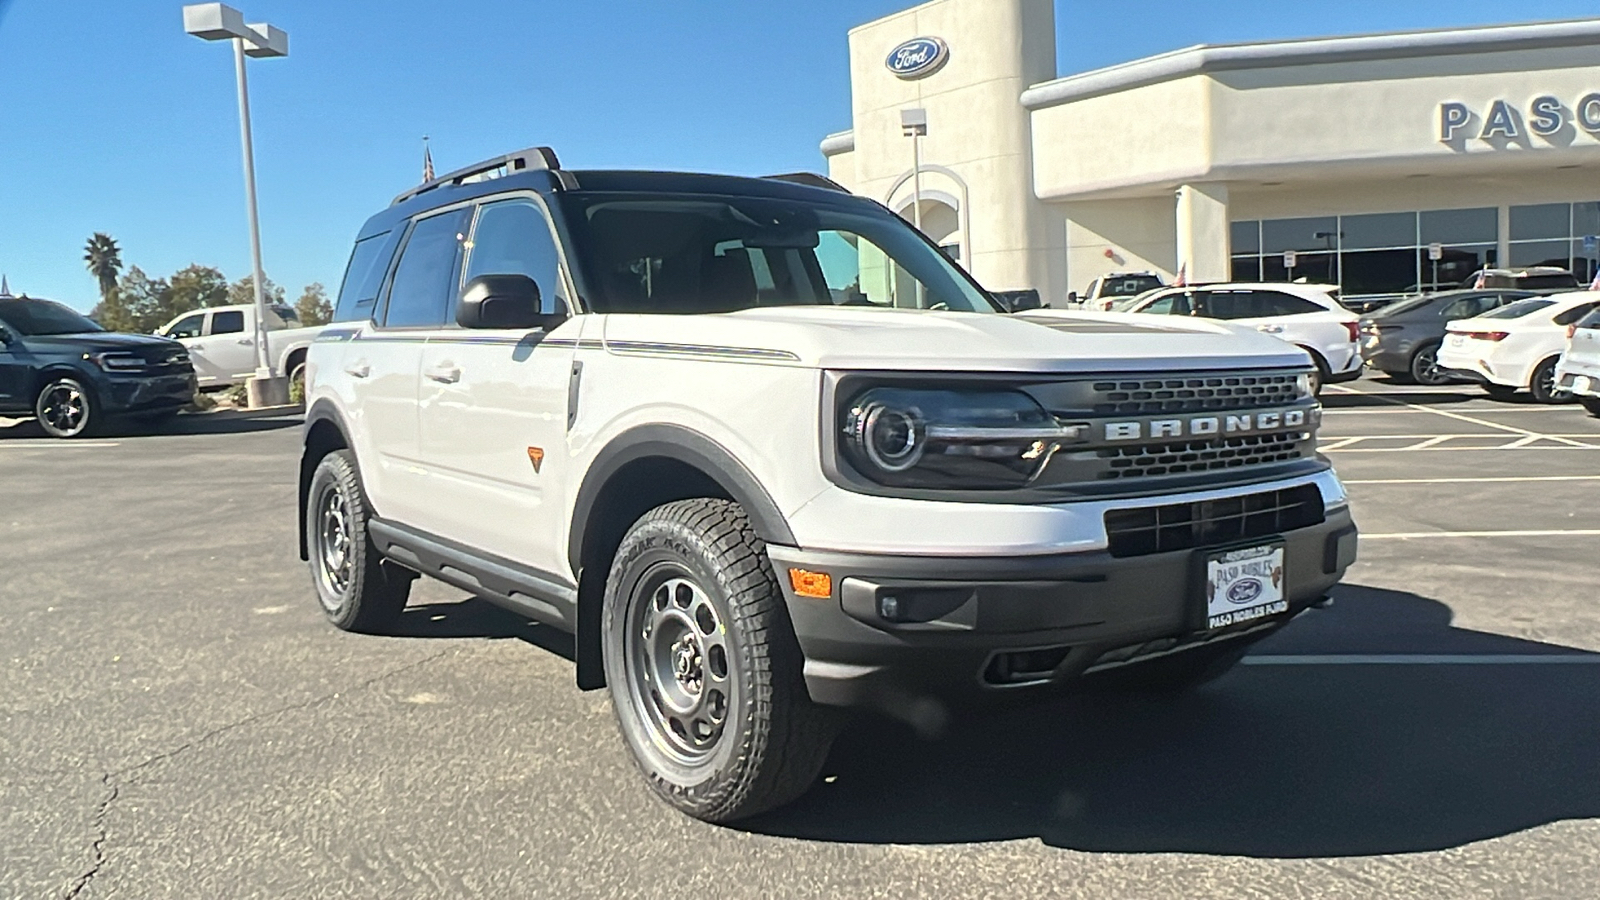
1384,163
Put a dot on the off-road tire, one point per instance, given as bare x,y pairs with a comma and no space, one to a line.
357,590
771,740
66,408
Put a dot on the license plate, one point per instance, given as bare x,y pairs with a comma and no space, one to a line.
1244,584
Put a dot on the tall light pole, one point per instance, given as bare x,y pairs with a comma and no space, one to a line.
217,22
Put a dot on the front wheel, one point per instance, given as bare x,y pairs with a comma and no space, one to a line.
66,409
357,590
1543,384
703,666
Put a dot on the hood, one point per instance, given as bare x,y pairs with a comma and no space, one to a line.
99,341
1043,340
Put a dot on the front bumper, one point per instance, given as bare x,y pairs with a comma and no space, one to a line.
142,393
971,628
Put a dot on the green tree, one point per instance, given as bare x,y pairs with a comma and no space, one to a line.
196,287
313,305
103,258
144,302
243,292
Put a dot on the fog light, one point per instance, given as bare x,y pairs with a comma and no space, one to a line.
889,607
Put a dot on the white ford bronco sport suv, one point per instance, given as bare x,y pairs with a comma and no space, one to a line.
767,453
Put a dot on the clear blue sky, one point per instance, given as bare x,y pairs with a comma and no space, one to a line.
111,119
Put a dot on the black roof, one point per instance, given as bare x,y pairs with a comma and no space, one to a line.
546,181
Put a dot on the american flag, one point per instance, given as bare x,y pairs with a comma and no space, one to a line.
427,162
1183,276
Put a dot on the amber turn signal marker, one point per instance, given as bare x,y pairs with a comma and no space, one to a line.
811,584
536,456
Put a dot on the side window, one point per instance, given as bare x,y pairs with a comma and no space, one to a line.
1574,314
363,277
512,237
1217,305
1170,305
229,321
1276,304
423,290
188,326
1465,308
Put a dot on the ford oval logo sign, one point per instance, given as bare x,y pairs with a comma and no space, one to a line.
918,57
1244,591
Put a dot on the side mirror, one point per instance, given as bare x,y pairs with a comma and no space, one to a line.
504,301
1072,296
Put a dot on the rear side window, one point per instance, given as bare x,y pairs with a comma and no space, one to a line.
227,322
1520,308
423,290
369,262
1254,305
1574,314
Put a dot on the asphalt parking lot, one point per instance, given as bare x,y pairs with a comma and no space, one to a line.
177,720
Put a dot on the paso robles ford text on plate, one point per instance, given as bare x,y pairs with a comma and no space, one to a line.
1242,585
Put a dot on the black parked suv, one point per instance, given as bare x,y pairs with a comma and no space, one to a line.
72,375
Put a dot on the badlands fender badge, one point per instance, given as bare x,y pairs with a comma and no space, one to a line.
536,456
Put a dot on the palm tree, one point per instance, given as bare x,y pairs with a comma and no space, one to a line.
104,260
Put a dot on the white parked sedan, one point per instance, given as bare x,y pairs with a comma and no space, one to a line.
1516,346
1579,369
1306,315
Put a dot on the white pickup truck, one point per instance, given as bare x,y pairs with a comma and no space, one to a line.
222,342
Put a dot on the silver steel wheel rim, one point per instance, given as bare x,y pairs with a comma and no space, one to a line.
678,666
64,408
335,561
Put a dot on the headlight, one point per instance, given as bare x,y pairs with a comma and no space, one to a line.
951,439
1302,386
116,362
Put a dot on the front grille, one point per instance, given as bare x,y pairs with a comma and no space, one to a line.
1202,456
1211,523
1194,393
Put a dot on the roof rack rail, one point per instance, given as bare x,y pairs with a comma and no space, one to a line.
531,158
810,179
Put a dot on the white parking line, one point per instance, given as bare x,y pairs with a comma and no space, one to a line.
1450,415
1421,659
1475,480
1406,412
1412,535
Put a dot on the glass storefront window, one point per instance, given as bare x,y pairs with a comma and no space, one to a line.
1454,266
1246,237
1383,231
1585,219
1542,253
1379,272
1547,220
1317,268
1459,226
1315,233
1246,268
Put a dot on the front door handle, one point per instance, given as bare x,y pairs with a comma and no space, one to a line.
444,373
246,342
358,370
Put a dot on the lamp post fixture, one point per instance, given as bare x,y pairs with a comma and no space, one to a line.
217,22
914,125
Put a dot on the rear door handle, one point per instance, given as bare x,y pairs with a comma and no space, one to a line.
444,373
358,370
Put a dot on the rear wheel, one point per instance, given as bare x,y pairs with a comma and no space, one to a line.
66,409
1543,384
703,666
1425,367
357,590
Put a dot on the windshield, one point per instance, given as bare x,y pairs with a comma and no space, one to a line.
1519,309
1129,285
684,254
40,317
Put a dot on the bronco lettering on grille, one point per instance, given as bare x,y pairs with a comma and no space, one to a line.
1203,426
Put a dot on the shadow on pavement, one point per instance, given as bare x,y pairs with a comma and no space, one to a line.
226,422
475,618
1270,761
1440,397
